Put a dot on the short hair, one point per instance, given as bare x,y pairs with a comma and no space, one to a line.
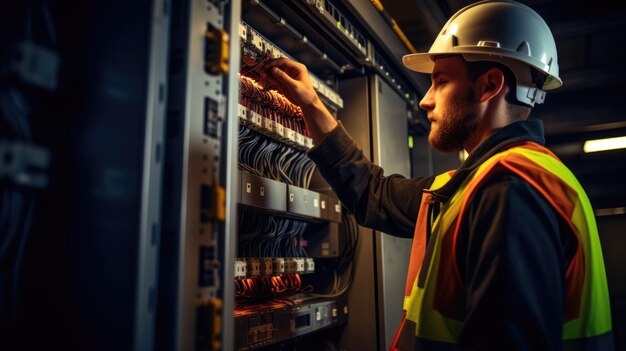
516,109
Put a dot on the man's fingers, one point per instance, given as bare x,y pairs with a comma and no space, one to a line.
290,79
279,62
292,68
272,81
282,77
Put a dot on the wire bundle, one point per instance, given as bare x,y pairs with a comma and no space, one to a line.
271,105
253,60
254,93
296,124
270,236
252,63
268,158
343,272
277,288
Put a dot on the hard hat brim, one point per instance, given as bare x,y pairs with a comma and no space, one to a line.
425,62
420,62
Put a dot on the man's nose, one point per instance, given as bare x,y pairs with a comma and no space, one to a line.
428,103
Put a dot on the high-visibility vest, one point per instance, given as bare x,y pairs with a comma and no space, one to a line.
435,294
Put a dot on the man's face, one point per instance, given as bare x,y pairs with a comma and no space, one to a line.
451,105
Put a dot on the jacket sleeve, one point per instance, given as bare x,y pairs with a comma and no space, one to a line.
512,253
386,203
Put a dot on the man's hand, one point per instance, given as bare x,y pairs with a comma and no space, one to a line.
292,79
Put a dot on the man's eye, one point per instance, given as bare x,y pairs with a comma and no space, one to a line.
441,81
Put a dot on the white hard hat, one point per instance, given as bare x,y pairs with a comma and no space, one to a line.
506,32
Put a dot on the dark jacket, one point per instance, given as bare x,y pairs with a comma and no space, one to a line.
512,249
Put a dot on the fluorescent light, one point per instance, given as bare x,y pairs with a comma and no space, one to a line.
605,144
610,211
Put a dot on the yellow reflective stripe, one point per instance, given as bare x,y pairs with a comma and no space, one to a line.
595,309
430,324
411,303
441,180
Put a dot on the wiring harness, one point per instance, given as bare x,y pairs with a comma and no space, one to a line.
261,235
266,157
342,268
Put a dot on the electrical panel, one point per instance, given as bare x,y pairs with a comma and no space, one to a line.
280,294
257,251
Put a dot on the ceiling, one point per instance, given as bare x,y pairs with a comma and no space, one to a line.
590,38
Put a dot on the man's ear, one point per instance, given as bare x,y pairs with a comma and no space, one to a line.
490,84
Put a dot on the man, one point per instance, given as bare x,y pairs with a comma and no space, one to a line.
505,251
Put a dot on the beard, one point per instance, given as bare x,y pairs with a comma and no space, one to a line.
452,128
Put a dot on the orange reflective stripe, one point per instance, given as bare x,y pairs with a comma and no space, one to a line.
553,189
394,342
418,248
575,276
